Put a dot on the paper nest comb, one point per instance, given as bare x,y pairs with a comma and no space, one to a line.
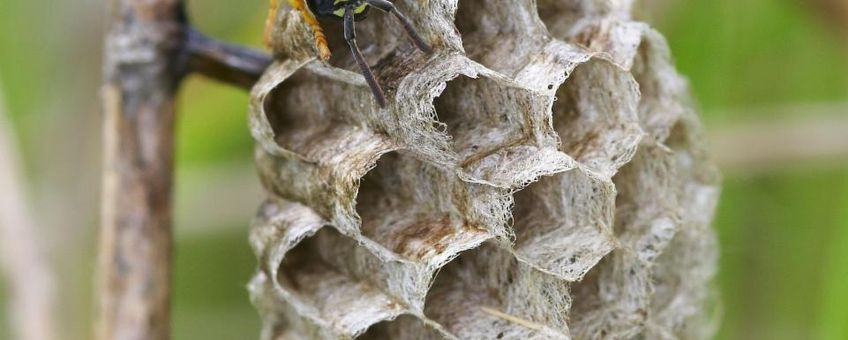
541,176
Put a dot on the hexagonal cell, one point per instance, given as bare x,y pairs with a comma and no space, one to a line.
562,17
487,294
482,115
664,93
493,34
377,36
313,112
493,125
318,288
647,196
683,302
280,225
614,299
409,208
595,116
405,327
563,223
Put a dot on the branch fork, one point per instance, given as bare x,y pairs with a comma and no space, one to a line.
150,48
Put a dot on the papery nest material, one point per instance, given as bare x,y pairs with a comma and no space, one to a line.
520,184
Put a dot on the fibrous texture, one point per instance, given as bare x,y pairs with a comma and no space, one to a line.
540,176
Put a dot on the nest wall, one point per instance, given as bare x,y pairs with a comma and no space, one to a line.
540,176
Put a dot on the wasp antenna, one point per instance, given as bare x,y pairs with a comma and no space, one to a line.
350,38
407,25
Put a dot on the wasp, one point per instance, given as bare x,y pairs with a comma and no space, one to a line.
348,11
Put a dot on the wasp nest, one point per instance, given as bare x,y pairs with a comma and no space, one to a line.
540,176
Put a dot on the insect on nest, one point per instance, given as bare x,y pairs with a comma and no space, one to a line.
349,12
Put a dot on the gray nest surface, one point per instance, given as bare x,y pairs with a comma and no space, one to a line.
541,176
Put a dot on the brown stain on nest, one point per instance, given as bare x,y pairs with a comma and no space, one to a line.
420,238
592,38
395,66
492,150
586,144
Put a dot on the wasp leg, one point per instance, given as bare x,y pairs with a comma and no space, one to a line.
350,37
320,38
407,25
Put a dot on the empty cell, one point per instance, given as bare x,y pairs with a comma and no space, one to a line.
486,293
647,194
405,282
560,16
317,288
563,223
279,226
408,207
405,327
595,116
497,36
663,91
483,116
563,17
680,301
612,301
647,219
315,113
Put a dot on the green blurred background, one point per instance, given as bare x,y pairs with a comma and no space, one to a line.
770,78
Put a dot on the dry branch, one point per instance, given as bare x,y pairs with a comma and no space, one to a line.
228,63
142,77
149,49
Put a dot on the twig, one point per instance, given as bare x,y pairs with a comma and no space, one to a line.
142,77
32,282
150,47
225,62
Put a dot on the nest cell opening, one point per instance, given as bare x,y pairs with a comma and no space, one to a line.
405,205
486,293
562,16
482,116
587,297
497,36
315,274
646,75
563,223
308,110
660,106
405,327
304,269
588,286
491,33
595,116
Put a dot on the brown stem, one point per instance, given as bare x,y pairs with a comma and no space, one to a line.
142,74
149,48
231,64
